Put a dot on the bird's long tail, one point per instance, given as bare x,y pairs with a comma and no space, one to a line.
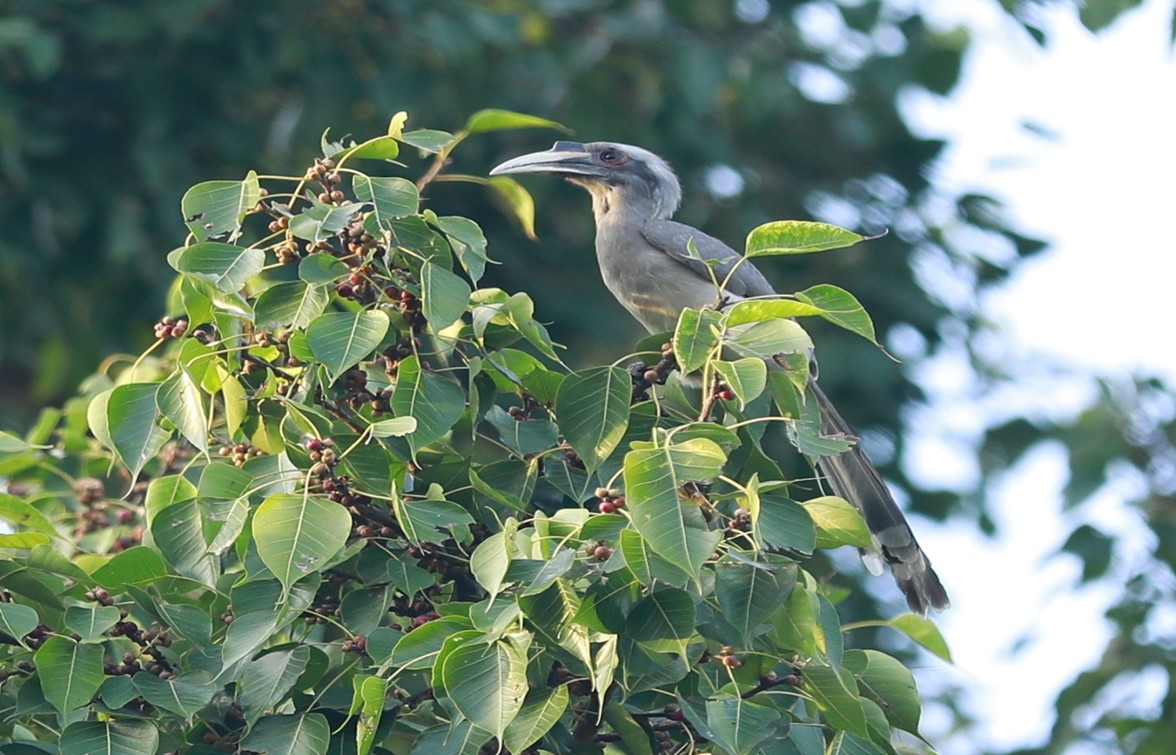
853,477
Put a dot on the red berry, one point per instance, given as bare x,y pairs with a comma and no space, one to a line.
606,507
602,552
618,502
314,444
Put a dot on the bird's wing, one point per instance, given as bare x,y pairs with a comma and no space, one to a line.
671,238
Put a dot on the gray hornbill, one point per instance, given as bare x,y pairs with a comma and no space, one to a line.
644,262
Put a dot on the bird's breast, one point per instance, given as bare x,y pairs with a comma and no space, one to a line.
650,284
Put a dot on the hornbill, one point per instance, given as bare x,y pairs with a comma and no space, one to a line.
644,260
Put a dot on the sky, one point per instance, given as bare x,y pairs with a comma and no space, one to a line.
1099,187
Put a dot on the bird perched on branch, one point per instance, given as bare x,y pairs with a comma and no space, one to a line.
645,261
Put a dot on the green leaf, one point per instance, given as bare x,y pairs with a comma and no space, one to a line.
840,307
696,337
20,514
23,540
444,296
16,620
757,310
740,724
407,577
460,737
296,534
427,139
835,693
323,221
553,568
797,237
320,269
390,198
265,681
497,120
541,710
747,377
90,621
418,649
888,683
340,340
379,148
298,734
110,738
434,401
180,400
796,623
224,481
783,523
189,622
486,682
848,744
768,338
133,419
133,566
838,522
247,633
368,701
924,632
227,267
291,304
665,615
593,409
468,243
165,491
634,739
646,565
178,531
429,521
184,695
490,561
517,201
395,427
217,208
749,593
653,479
70,672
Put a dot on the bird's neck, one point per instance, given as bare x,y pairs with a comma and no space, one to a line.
611,207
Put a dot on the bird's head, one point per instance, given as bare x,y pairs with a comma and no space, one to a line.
615,174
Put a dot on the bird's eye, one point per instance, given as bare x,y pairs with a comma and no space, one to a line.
612,157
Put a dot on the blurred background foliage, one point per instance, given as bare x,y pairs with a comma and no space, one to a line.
768,110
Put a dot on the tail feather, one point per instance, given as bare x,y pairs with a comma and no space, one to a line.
855,478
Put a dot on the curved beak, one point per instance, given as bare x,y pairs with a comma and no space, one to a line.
564,158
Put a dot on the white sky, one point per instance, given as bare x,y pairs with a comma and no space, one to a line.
1101,193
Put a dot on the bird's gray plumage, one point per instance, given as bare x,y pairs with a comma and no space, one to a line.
646,261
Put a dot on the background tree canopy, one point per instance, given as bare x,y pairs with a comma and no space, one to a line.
767,110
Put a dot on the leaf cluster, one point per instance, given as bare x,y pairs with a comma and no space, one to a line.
350,501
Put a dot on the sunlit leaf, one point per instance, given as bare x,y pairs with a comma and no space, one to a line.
497,120
216,208
444,295
696,337
840,307
341,339
227,267
653,481
797,237
593,407
295,534
487,682
390,198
